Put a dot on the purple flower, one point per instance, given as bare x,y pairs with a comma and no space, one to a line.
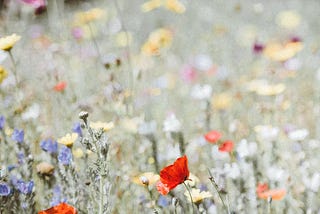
56,198
2,122
18,135
20,156
24,187
258,48
65,155
49,146
4,189
77,129
163,201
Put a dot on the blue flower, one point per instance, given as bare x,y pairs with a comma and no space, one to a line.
163,201
2,122
65,155
77,129
20,157
18,135
4,189
24,187
49,146
56,197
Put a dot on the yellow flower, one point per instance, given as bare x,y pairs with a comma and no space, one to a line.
150,177
78,153
282,52
172,5
6,43
158,39
289,19
263,88
197,196
3,74
8,131
221,101
123,39
86,17
68,140
101,125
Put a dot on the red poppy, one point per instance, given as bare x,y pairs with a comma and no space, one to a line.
226,146
60,86
213,136
262,187
173,175
61,208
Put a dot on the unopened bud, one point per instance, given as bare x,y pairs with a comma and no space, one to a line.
83,115
144,180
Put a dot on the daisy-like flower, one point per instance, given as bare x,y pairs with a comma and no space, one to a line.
197,195
6,43
147,178
82,18
68,140
158,39
173,175
60,208
3,74
213,136
172,5
102,125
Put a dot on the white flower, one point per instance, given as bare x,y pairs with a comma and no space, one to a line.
298,135
171,124
31,113
276,174
232,171
201,92
245,149
267,132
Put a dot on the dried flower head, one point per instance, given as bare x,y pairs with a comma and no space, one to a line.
45,168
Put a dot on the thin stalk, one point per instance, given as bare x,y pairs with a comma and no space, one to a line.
186,186
215,185
14,67
101,193
181,143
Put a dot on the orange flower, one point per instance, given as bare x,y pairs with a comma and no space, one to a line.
213,136
61,208
173,175
226,146
264,192
60,86
275,194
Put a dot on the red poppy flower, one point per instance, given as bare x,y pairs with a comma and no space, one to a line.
226,146
275,194
61,208
262,187
173,175
60,86
213,136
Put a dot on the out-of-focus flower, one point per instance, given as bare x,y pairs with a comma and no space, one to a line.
18,135
192,180
163,201
173,175
39,5
56,198
203,62
124,39
226,146
282,52
188,74
32,112
49,146
45,168
201,92
232,170
4,189
77,33
157,40
3,74
102,125
6,43
197,195
24,187
213,136
65,155
263,88
77,129
298,135
68,139
245,149
61,86
221,101
150,176
60,208
2,122
267,132
261,187
78,153
275,194
276,173
147,128
83,18
289,19
171,124
172,5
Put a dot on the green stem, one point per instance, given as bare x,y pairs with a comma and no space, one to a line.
186,186
14,67
215,185
101,194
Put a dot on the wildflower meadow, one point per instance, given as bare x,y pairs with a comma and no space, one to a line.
159,106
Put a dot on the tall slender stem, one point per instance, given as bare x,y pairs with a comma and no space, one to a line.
215,185
14,67
186,186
